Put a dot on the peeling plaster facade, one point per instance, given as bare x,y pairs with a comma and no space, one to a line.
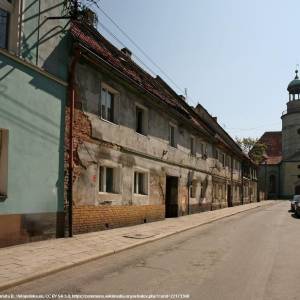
203,181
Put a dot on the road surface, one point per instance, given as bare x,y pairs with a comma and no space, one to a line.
252,255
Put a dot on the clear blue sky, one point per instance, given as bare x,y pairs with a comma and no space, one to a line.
235,57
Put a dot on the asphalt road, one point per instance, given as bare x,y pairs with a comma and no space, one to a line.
252,255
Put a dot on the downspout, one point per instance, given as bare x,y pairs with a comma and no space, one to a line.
71,122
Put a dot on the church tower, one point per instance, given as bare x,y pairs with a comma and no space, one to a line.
290,176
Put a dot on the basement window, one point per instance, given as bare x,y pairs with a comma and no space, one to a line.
108,180
141,183
3,163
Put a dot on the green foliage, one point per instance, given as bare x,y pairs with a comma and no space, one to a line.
257,152
79,9
251,146
246,143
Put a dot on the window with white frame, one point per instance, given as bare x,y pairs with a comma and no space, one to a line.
108,180
9,13
3,163
141,120
192,145
4,28
172,140
108,104
140,183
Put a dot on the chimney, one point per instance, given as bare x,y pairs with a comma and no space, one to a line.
89,17
127,52
182,97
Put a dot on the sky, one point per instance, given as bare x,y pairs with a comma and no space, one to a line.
235,57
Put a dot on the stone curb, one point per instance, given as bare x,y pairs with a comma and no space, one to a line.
37,275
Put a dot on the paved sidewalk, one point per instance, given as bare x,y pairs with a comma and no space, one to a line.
25,262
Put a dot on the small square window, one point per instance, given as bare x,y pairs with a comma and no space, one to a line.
140,183
172,135
108,180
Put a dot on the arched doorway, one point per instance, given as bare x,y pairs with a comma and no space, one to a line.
297,190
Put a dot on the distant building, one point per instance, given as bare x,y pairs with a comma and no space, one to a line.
279,173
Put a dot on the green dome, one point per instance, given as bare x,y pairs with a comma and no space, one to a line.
294,85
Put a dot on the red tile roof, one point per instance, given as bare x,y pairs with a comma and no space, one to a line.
273,142
94,41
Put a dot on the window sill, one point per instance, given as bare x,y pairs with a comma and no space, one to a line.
141,134
140,195
106,193
173,147
107,121
3,198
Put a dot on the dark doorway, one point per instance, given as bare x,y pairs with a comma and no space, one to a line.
171,197
229,196
297,190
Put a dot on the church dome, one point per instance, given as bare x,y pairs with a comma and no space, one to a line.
294,85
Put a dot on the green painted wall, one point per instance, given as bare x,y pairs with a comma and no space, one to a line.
32,108
45,41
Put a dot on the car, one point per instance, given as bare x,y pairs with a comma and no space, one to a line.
295,200
297,209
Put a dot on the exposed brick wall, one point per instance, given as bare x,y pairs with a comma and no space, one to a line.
94,218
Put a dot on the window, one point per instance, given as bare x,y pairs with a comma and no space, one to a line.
108,180
4,28
172,135
3,163
201,149
193,189
202,193
221,158
9,14
107,104
140,183
192,145
141,120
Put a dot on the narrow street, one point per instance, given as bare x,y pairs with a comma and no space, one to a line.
252,255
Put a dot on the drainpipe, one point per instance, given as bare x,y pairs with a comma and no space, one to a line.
71,122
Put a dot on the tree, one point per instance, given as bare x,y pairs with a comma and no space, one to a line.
258,151
246,143
253,147
77,9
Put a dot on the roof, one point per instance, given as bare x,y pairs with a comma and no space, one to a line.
294,85
273,142
89,37
94,41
